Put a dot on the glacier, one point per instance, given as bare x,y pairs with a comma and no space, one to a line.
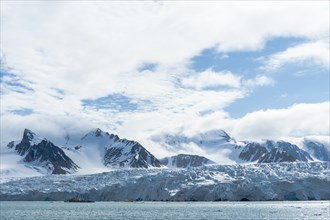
254,182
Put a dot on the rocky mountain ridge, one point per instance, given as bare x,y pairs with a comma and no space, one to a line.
39,152
267,151
99,151
185,161
273,151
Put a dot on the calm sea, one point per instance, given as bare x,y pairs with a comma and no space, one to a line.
165,210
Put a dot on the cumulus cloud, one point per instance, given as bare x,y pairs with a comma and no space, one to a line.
260,80
96,44
209,79
60,53
297,120
316,53
43,125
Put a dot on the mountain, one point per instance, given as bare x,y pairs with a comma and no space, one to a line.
214,142
185,161
318,150
273,151
114,152
94,152
209,139
41,154
98,151
218,142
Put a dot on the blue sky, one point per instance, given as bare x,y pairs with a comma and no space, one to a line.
294,83
145,68
245,62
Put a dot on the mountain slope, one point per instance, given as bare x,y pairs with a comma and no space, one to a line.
317,149
41,153
99,151
125,153
210,139
229,151
112,151
273,151
185,161
214,142
94,152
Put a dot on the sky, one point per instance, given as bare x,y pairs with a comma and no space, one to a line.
258,70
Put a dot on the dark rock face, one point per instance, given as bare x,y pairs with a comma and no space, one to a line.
126,153
253,152
26,142
47,151
144,158
11,144
276,155
185,161
271,151
113,136
317,149
99,133
116,152
39,151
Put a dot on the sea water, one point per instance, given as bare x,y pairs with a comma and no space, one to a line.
165,210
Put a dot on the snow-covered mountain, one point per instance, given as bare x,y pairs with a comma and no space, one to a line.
273,151
271,181
42,155
211,139
98,151
185,161
317,149
212,142
270,170
112,151
94,152
220,143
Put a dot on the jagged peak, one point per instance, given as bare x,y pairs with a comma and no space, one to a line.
31,137
97,132
270,144
28,133
280,144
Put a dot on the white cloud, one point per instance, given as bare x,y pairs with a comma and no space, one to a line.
211,80
314,52
65,52
297,120
260,80
294,122
43,125
69,44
